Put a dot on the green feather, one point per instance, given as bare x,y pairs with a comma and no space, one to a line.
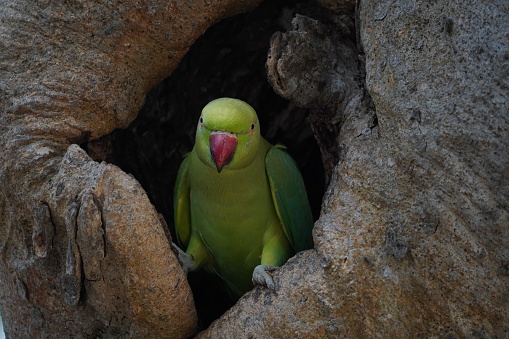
290,198
182,214
255,211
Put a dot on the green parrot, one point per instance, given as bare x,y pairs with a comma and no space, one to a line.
240,205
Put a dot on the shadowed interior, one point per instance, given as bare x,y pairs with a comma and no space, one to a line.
227,61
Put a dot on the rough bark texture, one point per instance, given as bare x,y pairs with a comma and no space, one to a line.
413,239
409,107
83,252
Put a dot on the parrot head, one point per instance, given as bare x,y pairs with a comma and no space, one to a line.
228,134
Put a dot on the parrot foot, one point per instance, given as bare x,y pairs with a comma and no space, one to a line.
262,275
185,260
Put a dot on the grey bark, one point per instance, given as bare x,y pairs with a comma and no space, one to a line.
83,252
409,106
413,235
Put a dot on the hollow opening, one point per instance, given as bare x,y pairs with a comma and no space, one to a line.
227,61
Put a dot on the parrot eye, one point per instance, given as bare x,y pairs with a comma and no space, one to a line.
252,126
201,120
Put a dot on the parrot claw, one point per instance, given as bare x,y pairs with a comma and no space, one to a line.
262,275
185,260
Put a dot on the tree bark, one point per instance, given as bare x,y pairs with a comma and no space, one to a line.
413,238
83,252
408,103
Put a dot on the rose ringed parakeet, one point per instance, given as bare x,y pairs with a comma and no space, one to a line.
240,204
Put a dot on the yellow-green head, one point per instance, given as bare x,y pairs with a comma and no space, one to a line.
228,134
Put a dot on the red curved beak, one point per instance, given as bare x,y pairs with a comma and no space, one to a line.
222,147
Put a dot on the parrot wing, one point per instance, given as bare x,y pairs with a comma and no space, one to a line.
181,205
290,198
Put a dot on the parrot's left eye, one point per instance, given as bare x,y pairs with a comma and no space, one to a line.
252,126
201,120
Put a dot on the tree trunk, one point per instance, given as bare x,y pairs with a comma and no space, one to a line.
83,252
413,237
407,102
